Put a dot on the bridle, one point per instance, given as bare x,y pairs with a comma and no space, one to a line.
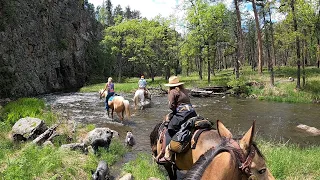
244,162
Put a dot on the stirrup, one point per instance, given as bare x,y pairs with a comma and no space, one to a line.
163,160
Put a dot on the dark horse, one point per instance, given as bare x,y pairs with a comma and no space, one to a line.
231,160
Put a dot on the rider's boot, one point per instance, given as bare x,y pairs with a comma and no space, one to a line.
167,158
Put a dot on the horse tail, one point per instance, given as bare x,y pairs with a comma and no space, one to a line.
127,108
135,99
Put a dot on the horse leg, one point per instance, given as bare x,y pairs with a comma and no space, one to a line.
112,113
172,171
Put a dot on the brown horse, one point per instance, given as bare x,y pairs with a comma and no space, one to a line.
185,160
117,104
208,140
231,159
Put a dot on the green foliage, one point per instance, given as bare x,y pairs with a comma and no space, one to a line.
143,167
90,127
116,151
24,107
239,86
283,160
33,162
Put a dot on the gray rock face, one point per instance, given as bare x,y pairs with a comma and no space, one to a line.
28,129
99,137
75,146
45,46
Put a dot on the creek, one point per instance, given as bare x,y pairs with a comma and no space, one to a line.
274,121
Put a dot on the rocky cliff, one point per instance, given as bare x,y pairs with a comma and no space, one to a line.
45,45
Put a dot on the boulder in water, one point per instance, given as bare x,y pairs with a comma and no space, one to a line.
311,130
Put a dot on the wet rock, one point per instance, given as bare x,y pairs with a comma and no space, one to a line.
99,137
48,143
153,178
28,129
311,130
75,146
127,176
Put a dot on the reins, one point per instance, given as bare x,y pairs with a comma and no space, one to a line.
244,162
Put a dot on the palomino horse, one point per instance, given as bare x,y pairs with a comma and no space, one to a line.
231,159
140,95
207,140
117,104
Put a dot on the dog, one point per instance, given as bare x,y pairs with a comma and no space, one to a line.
130,141
102,172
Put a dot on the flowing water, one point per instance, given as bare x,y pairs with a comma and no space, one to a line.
276,121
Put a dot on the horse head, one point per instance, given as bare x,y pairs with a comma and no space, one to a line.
102,94
253,164
231,159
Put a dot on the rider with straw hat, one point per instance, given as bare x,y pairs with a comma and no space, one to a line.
182,110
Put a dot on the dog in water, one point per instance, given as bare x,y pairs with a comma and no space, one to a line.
102,172
130,141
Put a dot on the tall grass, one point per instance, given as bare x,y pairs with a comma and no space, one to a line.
291,162
143,168
34,162
24,107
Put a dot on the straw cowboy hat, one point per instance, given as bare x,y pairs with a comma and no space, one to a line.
174,81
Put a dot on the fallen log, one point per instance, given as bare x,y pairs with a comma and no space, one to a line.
202,93
44,136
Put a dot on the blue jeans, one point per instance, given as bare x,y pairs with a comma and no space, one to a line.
107,98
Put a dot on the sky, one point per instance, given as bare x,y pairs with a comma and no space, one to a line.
152,8
148,8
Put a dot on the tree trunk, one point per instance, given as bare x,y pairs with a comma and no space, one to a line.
274,61
270,67
200,63
239,40
259,44
295,26
304,57
209,66
151,72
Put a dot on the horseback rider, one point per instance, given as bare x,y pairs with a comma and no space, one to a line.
143,84
182,110
110,88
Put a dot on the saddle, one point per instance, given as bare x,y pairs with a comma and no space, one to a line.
195,126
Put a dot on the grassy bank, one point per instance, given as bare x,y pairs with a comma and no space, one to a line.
286,162
290,162
26,161
144,167
250,84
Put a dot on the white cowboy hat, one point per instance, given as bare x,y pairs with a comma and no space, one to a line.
174,81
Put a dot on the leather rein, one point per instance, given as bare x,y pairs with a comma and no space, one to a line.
243,161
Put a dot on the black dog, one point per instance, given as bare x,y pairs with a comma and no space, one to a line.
102,172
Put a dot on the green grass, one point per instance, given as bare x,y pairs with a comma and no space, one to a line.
143,168
27,107
283,91
32,162
22,160
290,162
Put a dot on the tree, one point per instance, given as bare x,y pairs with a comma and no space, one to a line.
259,44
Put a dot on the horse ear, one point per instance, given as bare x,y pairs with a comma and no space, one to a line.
247,139
222,130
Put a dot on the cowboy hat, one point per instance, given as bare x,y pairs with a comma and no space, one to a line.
174,81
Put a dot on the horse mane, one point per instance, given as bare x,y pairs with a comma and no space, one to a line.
197,170
154,135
